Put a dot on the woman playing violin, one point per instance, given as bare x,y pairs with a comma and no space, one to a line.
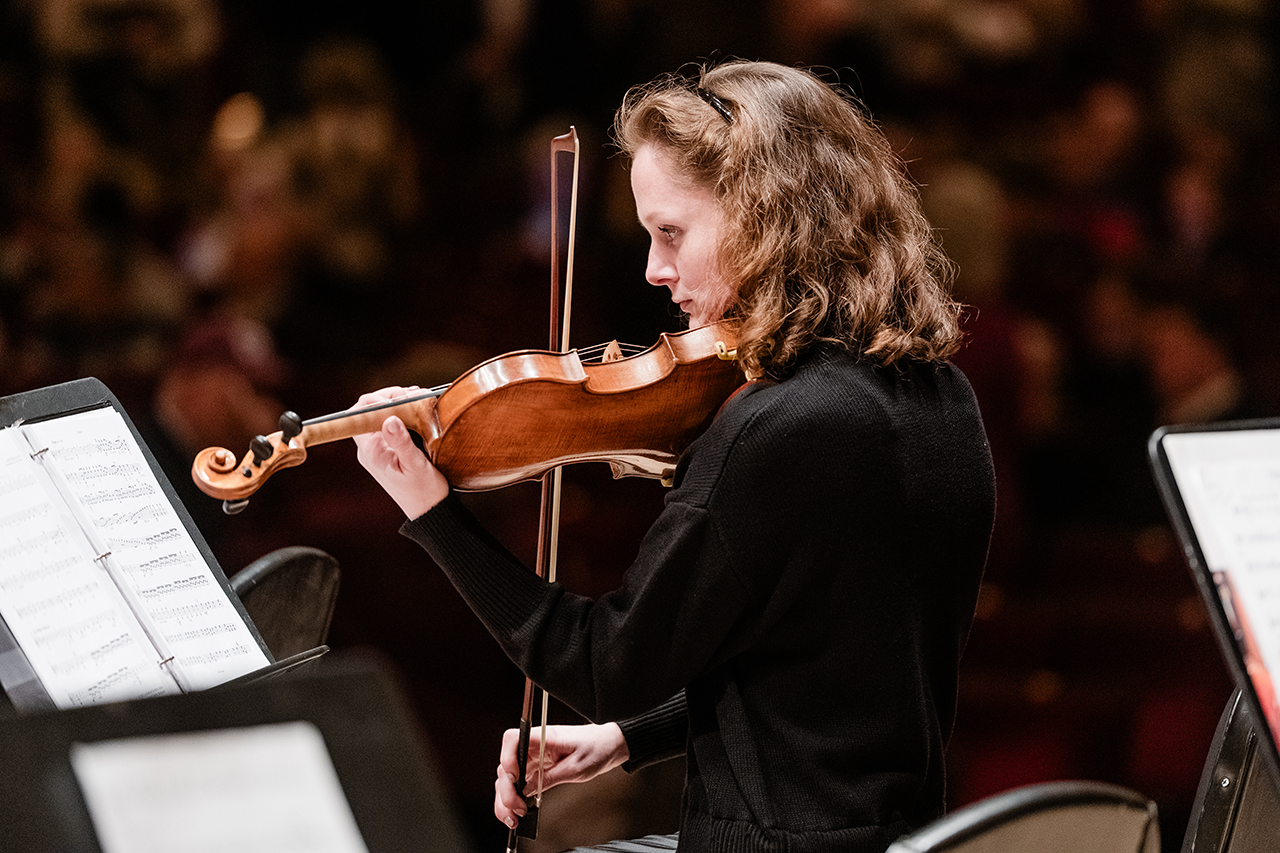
793,621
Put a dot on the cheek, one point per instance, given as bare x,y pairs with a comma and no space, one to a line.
712,280
724,296
702,264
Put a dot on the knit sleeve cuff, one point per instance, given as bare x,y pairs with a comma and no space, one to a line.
657,735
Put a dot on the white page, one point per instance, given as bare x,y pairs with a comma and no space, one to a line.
61,606
1230,483
102,465
263,789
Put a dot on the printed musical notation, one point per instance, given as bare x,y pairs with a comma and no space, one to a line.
133,490
90,657
65,599
89,446
16,524
133,518
34,571
163,539
184,614
164,591
207,631
168,561
91,473
92,550
119,684
60,605
169,575
209,775
1230,483
216,655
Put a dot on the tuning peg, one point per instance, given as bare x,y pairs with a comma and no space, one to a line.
262,449
233,507
290,426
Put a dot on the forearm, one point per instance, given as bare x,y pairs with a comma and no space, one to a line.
596,656
503,593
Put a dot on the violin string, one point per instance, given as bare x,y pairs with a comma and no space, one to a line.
412,397
597,351
591,354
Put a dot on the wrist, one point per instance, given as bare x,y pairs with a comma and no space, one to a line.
619,751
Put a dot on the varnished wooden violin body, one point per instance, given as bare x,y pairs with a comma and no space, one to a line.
516,416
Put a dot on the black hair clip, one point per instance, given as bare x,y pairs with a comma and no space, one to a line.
715,103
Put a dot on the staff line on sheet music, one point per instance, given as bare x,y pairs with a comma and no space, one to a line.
49,637
23,516
151,512
95,656
58,600
20,580
98,446
181,585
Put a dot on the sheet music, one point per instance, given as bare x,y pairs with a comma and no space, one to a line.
1230,484
82,641
262,789
164,571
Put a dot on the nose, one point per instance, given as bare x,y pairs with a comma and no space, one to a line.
659,271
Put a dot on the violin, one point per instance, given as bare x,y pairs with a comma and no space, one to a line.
517,416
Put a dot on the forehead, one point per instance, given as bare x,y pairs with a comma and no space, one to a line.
661,191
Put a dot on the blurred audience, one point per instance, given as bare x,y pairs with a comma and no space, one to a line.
208,205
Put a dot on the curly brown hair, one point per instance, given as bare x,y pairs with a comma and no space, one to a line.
826,240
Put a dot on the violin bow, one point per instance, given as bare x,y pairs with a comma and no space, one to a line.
549,522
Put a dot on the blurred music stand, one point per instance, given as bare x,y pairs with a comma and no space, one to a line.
385,769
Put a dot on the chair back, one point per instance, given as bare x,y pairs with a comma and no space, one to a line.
1050,817
290,594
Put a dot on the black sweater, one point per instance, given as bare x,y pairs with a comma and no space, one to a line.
805,595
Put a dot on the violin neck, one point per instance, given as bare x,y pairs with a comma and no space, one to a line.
417,412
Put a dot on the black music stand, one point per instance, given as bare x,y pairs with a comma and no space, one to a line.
1237,807
1220,485
385,769
22,690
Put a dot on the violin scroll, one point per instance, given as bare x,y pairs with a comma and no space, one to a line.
219,475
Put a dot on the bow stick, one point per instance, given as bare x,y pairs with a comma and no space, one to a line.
549,523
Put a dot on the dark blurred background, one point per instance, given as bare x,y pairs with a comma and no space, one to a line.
228,209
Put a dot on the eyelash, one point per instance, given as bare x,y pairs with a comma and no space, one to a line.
668,232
